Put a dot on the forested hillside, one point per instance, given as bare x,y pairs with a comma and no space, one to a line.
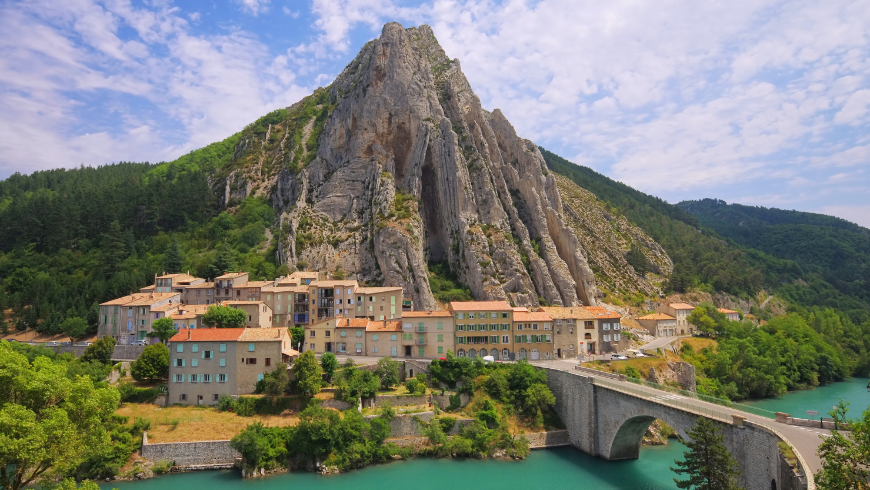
833,254
70,239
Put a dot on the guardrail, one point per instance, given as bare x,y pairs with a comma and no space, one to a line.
707,398
682,404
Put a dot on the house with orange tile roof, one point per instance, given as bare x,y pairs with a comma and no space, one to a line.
612,339
575,331
659,324
171,283
483,328
289,304
680,311
431,331
732,315
130,318
388,338
533,335
206,363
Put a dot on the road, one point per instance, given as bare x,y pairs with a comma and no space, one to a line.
660,342
804,439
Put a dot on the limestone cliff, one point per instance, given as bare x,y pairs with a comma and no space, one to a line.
397,165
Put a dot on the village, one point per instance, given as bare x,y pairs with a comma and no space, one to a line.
342,317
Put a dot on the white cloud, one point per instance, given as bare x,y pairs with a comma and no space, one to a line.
854,109
291,13
254,7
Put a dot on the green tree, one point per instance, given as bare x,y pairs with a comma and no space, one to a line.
46,419
173,260
308,374
114,248
329,364
70,484
75,327
297,337
388,372
274,383
262,447
845,455
224,261
152,364
707,464
163,329
637,260
101,351
224,317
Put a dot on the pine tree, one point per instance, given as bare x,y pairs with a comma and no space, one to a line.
173,260
114,248
707,463
637,260
224,260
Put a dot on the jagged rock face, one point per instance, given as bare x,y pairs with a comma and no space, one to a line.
396,165
410,169
607,237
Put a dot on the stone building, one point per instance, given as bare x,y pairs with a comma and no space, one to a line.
171,283
576,331
188,316
257,313
207,362
130,318
432,332
732,315
289,304
609,330
385,338
680,311
347,298
199,294
533,335
483,328
659,324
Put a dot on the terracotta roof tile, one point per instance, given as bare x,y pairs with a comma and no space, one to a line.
479,306
425,314
166,307
232,275
384,326
139,299
333,283
352,323
240,302
681,306
534,316
378,290
208,334
602,312
177,277
262,334
202,285
725,310
572,312
285,289
657,316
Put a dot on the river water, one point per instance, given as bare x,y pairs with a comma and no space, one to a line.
821,399
562,468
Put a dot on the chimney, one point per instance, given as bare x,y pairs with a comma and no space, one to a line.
188,334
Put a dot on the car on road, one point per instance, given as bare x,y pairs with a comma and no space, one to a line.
139,342
617,357
52,343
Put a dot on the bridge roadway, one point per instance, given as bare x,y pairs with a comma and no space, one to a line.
804,440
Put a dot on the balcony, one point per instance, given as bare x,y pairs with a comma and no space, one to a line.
420,341
420,328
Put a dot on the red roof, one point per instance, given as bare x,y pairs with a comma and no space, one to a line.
207,334
421,314
479,306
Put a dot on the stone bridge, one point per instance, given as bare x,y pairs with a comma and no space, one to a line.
608,418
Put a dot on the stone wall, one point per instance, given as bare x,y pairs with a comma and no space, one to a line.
409,425
416,366
336,404
190,453
595,372
553,438
122,352
400,400
443,401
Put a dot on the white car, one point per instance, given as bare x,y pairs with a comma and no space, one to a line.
617,357
139,342
53,343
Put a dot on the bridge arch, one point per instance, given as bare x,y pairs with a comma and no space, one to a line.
628,438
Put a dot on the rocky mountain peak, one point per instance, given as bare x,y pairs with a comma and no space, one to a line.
397,165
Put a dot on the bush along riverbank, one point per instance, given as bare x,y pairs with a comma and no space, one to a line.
506,401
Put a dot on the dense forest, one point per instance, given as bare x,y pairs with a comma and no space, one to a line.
833,254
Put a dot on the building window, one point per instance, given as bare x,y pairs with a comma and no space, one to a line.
194,378
206,378
393,351
505,339
311,346
420,351
260,377
440,337
359,348
250,347
327,333
461,353
206,354
375,349
359,333
251,360
179,378
393,337
312,333
194,348
460,316
344,333
179,363
440,325
605,326
193,362
222,362
374,337
183,397
223,348
268,361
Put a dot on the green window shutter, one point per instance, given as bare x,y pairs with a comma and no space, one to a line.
182,363
440,337
420,351
440,350
440,325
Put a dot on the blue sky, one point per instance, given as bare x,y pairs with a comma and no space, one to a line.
752,101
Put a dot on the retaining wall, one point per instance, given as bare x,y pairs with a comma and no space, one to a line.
409,425
400,400
189,453
121,353
444,400
553,438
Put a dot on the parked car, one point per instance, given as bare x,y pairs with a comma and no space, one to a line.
139,342
52,343
66,343
11,340
617,357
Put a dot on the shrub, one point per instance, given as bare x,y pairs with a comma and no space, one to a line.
245,406
132,394
161,467
225,403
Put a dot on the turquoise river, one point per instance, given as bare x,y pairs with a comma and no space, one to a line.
563,468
